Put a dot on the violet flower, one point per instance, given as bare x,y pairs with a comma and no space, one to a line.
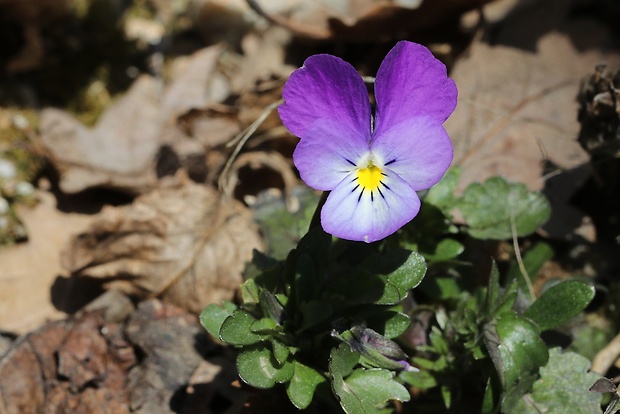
373,164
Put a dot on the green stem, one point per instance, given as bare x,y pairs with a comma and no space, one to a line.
316,217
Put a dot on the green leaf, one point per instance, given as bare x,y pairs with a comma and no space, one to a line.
446,249
264,325
390,324
281,229
382,279
367,390
562,387
342,361
490,208
300,389
362,390
213,316
250,293
441,195
493,298
560,303
409,273
236,329
280,351
515,347
419,379
258,367
442,288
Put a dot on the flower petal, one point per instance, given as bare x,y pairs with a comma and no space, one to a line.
370,217
328,152
419,150
412,82
325,87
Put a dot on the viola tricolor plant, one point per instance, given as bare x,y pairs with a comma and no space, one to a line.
327,320
372,163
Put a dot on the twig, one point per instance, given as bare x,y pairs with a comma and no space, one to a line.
276,162
606,357
515,243
309,31
240,141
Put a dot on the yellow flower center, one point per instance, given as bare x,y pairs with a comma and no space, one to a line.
370,177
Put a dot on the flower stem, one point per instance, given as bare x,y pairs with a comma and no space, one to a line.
316,217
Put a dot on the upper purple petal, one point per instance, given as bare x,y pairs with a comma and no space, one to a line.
330,155
325,87
419,150
412,82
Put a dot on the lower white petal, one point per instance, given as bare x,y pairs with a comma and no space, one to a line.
354,213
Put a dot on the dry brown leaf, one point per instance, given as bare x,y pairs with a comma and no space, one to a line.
119,152
28,270
122,151
196,83
75,366
182,243
517,108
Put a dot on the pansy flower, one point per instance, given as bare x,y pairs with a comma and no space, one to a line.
372,163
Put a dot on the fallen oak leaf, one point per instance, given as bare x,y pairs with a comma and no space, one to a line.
119,152
123,150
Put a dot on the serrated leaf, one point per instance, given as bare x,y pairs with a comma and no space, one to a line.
560,303
300,389
214,315
490,208
236,329
562,387
258,367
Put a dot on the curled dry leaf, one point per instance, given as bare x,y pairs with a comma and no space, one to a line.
183,243
118,152
76,366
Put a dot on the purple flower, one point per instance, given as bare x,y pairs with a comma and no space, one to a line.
372,164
